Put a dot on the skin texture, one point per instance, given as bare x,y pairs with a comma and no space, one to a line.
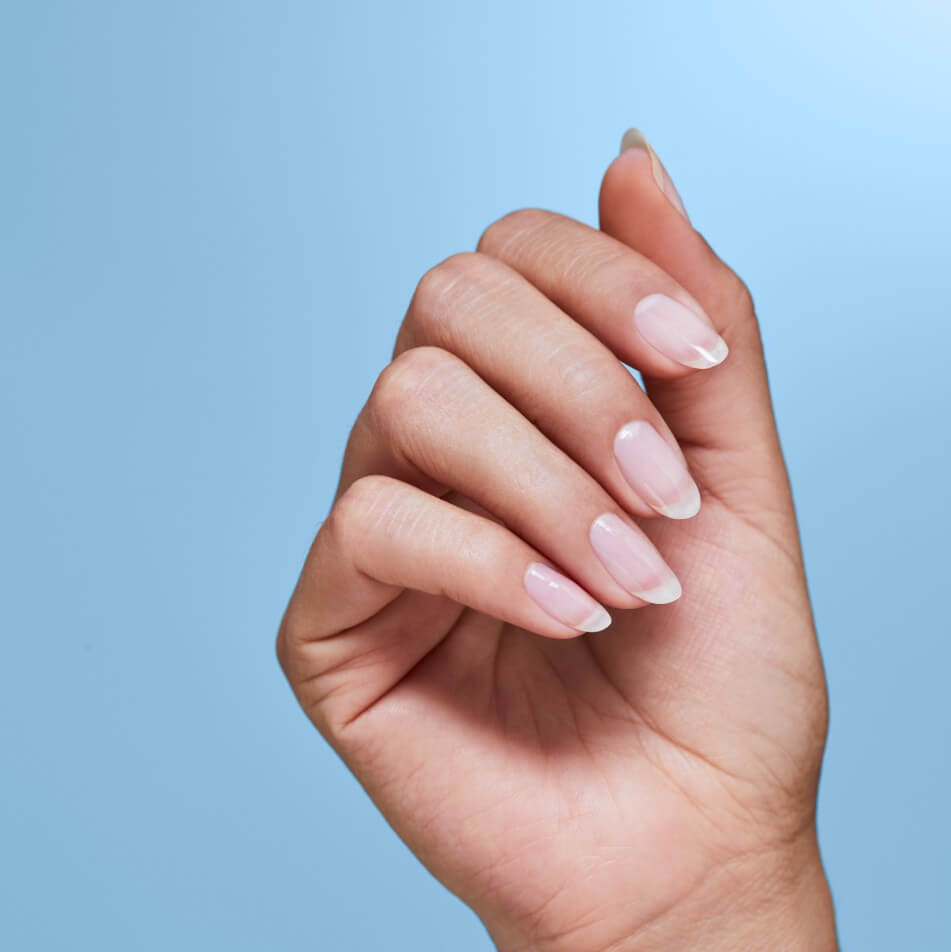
649,786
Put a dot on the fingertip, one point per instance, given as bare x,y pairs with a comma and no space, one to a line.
664,594
680,330
598,620
685,508
563,600
709,357
625,178
633,138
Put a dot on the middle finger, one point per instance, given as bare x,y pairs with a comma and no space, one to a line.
558,374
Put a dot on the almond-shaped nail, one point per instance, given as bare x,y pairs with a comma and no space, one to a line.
633,561
679,332
635,139
655,471
564,600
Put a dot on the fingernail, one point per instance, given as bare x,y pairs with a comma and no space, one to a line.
632,561
564,600
635,139
655,471
679,332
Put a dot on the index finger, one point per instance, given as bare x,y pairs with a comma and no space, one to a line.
641,313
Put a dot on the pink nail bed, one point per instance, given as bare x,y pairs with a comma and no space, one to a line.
563,599
679,332
633,561
655,471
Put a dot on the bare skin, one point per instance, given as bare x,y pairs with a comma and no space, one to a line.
650,786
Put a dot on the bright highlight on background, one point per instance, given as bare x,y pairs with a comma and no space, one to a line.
211,219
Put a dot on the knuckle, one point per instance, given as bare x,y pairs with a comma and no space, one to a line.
442,281
739,297
733,300
292,633
358,511
433,287
356,505
589,378
373,507
418,378
516,224
448,290
281,646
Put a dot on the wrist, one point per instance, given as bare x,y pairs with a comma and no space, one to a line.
774,900
778,901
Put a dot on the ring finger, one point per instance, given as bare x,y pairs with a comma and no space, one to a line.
432,421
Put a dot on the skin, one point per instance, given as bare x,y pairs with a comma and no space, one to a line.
651,786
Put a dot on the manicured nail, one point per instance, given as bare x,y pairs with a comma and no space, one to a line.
632,561
635,139
564,600
679,332
655,471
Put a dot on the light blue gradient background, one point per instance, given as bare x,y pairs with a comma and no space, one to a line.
212,216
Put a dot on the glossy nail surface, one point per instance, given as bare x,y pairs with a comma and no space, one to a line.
635,139
655,471
564,600
679,332
633,561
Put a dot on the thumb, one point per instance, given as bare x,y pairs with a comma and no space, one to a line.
722,417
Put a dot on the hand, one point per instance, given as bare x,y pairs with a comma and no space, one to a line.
648,786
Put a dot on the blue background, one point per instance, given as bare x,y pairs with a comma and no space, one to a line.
212,216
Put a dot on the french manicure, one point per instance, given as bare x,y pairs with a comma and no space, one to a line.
678,332
655,471
635,139
632,561
564,600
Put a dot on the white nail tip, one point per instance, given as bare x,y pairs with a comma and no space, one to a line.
598,620
685,508
708,357
633,139
663,594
